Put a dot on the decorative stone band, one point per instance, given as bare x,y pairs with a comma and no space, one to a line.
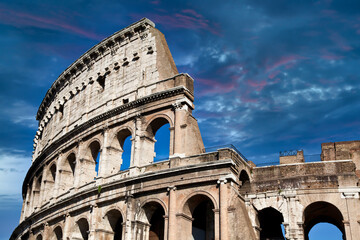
83,127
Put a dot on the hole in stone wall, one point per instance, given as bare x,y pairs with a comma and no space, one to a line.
125,100
270,223
57,235
126,154
162,145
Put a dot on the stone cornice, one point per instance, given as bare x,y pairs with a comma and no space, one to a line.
97,50
116,111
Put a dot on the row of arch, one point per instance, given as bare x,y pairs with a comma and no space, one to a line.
271,220
149,223
96,158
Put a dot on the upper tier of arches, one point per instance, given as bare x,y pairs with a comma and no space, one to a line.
131,64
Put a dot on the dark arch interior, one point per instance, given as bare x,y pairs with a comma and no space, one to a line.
319,212
53,171
39,237
270,223
84,228
71,159
95,153
156,124
244,182
115,220
201,210
155,215
58,233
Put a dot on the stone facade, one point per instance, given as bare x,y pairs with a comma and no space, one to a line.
128,85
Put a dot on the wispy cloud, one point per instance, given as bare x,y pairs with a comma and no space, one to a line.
25,19
187,19
21,113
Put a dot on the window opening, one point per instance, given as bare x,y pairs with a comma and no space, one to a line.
126,154
162,144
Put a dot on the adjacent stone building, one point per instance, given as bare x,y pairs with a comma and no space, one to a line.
128,85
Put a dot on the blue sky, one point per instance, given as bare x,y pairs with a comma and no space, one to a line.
269,75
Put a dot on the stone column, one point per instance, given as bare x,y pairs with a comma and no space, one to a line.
223,196
78,164
179,134
172,233
129,217
67,227
103,164
217,224
93,222
136,144
166,227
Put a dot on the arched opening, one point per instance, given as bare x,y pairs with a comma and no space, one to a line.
67,173
50,182
81,230
95,153
162,144
325,231
115,221
53,172
57,234
153,221
39,237
244,184
199,208
36,192
159,139
322,212
270,224
126,154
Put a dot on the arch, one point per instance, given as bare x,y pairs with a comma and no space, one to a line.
199,192
49,183
150,142
36,191
114,223
119,155
322,212
52,169
270,221
67,172
39,237
199,219
81,229
149,200
161,115
90,164
244,181
152,221
57,233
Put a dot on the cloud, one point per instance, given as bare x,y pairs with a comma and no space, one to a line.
186,19
24,19
20,113
14,165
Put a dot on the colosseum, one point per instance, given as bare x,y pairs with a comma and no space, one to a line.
128,85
